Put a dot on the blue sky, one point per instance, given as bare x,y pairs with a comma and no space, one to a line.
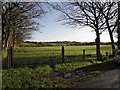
54,31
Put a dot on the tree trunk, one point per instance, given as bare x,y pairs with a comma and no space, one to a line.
111,38
118,31
13,37
98,54
112,43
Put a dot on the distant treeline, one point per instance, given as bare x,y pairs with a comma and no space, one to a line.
58,43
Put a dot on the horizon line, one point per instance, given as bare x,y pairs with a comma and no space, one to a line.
66,41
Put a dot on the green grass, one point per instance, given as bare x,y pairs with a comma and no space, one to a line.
66,67
26,78
56,50
39,77
45,76
46,55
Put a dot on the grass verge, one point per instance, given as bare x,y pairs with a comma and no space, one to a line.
67,75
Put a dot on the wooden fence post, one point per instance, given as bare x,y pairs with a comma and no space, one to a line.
84,54
10,57
63,54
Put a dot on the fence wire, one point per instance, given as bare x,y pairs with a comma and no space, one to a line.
38,56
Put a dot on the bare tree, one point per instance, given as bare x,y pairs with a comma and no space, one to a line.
77,14
109,12
118,30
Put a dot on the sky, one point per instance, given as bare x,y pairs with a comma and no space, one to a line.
55,31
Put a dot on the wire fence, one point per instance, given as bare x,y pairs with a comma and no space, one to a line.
38,56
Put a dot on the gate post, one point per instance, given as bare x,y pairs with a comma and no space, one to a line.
83,54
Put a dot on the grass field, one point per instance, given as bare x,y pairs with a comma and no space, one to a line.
69,50
52,54
45,76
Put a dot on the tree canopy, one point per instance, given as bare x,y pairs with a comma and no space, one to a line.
18,21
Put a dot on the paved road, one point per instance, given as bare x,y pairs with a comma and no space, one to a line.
109,79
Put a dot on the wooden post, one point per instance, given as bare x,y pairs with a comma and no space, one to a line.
83,54
63,54
10,57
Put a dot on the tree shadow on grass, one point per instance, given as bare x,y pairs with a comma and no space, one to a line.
105,66
39,61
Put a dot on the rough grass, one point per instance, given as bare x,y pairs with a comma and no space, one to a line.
56,50
36,56
26,78
46,77
41,77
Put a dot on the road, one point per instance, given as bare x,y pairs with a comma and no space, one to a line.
109,79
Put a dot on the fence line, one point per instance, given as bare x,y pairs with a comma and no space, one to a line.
51,58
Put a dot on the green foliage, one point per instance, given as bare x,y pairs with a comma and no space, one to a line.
40,77
26,78
66,67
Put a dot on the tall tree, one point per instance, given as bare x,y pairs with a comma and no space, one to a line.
118,30
79,14
109,12
18,21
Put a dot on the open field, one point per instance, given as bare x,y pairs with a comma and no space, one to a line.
69,50
52,55
68,74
